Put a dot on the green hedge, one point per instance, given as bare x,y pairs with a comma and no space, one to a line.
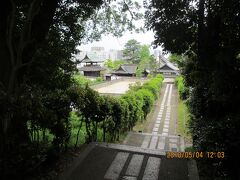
115,116
81,80
182,89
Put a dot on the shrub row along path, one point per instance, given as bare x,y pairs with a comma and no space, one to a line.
160,131
142,156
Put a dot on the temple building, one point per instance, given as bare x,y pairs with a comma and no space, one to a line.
91,67
126,70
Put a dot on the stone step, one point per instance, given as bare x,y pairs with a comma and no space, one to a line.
103,161
160,142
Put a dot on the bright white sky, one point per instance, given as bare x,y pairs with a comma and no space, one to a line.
110,42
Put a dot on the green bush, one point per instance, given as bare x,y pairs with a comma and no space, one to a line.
148,100
154,86
182,89
140,102
149,76
81,80
126,115
99,79
141,98
107,117
133,109
159,76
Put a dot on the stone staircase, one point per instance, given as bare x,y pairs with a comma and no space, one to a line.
102,161
142,156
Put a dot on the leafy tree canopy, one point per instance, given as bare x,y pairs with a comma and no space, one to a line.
37,91
177,59
113,65
132,51
207,33
144,52
114,17
147,61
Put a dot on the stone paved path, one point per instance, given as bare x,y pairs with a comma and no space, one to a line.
161,136
142,156
122,162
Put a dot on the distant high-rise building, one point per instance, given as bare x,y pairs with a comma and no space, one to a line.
120,54
96,48
98,52
115,54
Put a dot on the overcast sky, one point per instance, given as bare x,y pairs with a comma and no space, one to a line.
110,42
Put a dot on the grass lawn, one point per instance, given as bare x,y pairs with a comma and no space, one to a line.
82,80
183,119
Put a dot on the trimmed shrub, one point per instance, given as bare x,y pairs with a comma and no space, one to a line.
116,115
182,89
148,100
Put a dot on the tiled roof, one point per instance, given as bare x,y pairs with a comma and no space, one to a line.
165,60
92,68
127,69
86,59
170,65
167,63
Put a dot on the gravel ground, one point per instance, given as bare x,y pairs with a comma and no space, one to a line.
118,87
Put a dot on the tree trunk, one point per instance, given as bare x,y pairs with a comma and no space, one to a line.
96,132
44,135
104,131
78,134
89,137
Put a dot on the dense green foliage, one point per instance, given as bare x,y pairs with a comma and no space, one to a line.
183,112
207,33
182,89
147,62
131,51
35,86
37,92
178,59
114,17
113,65
114,116
83,81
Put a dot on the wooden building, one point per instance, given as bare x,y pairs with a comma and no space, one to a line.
126,70
91,67
168,70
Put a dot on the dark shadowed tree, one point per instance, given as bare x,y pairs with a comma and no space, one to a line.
37,41
207,32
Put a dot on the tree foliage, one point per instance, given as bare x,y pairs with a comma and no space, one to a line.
114,17
113,65
37,91
207,32
182,89
175,23
112,115
132,51
147,61
180,60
